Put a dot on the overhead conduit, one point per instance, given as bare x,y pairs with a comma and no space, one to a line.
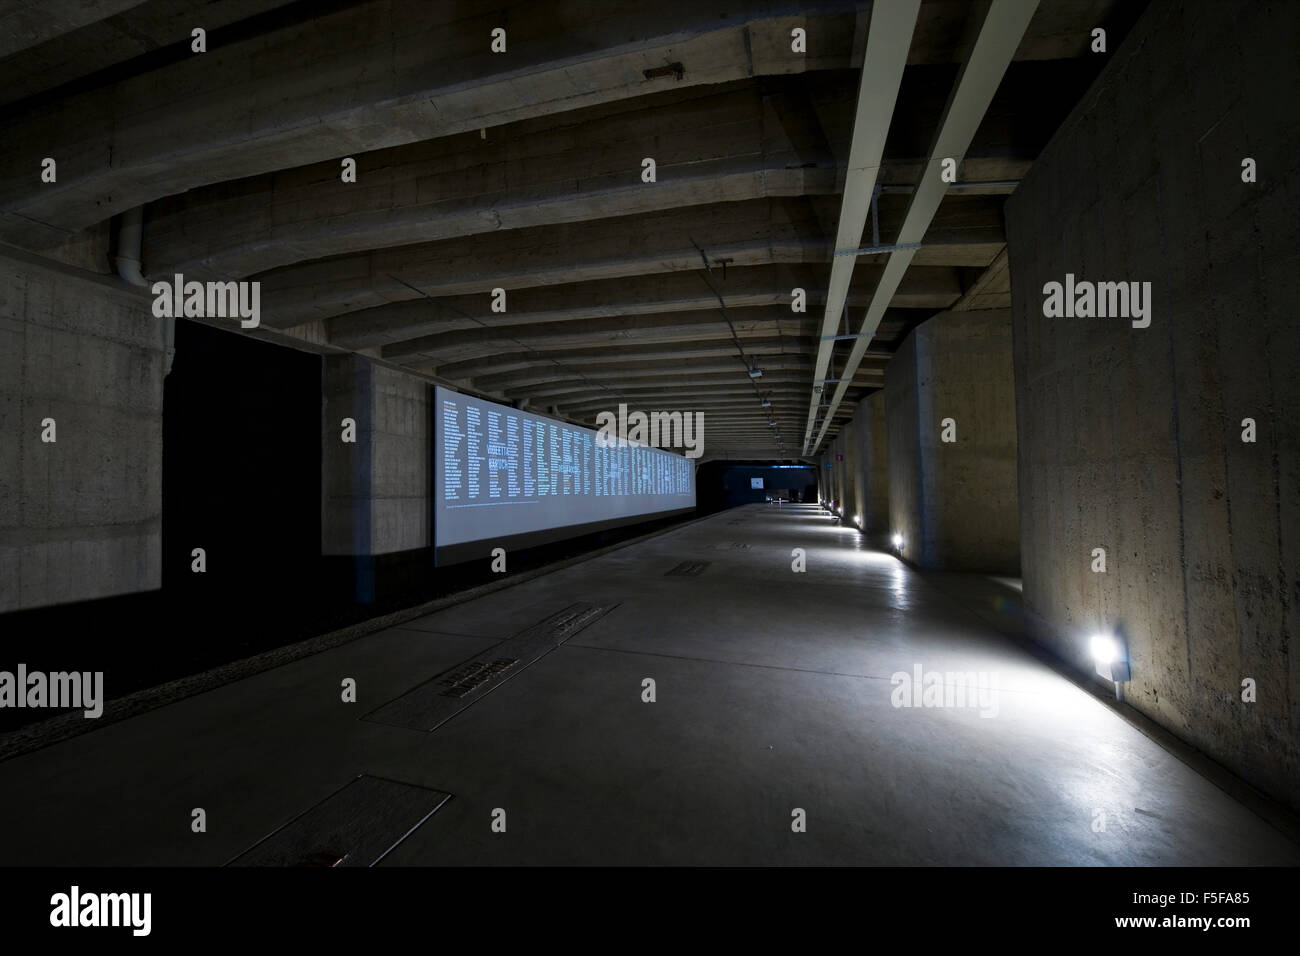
1000,34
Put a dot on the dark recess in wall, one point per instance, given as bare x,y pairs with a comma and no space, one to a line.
241,471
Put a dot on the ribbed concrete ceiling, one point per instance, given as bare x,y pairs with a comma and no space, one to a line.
522,171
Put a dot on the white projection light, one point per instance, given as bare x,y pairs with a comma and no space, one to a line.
898,542
1104,648
1111,661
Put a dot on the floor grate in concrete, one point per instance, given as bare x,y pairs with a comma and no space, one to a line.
472,676
687,569
431,704
355,826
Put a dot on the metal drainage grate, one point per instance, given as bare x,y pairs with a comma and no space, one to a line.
574,618
472,676
687,569
356,826
431,704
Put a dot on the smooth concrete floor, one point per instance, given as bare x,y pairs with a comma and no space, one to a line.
773,693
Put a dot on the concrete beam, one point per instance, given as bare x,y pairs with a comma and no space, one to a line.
703,392
28,23
374,76
747,233
121,37
654,371
419,323
689,373
712,394
708,147
756,452
969,233
710,390
670,360
613,332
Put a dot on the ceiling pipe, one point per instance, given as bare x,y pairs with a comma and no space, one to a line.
126,260
889,38
130,240
1000,34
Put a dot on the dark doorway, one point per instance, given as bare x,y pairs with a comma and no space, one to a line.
727,484
241,471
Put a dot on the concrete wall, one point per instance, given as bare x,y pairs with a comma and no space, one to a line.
834,465
826,475
80,518
871,467
841,471
375,493
1131,438
852,468
955,504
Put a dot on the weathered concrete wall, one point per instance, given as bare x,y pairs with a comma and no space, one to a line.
1131,438
955,503
827,476
840,468
871,467
375,493
80,517
88,250
849,448
905,404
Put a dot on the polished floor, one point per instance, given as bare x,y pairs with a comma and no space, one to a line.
774,693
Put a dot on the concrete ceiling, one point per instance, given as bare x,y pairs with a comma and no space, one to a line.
522,171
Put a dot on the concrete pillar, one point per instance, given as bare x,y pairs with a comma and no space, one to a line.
80,517
1132,438
376,491
954,502
871,468
834,472
837,471
840,470
849,443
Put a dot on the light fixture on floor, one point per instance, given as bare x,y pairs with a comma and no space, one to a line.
898,542
1111,661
